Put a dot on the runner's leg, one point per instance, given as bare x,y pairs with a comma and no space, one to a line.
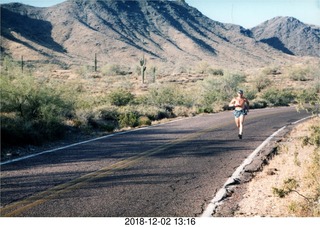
241,120
237,120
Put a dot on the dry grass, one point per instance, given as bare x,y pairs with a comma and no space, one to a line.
185,77
290,185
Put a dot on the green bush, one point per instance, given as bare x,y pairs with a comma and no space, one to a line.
205,109
16,132
309,100
128,119
276,97
218,90
257,104
32,100
120,97
167,97
39,111
289,185
314,138
271,71
299,74
144,120
154,113
216,72
261,82
250,94
104,118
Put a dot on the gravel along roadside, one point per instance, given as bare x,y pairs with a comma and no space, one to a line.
289,183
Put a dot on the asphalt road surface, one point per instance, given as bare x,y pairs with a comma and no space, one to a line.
168,170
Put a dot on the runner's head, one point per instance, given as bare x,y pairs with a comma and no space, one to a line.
240,92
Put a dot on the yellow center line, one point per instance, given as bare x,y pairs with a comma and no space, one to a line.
16,208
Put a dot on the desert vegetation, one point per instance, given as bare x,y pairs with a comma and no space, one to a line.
41,104
302,192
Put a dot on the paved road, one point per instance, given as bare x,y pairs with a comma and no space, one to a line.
171,170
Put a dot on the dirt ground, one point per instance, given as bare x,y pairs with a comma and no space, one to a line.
256,198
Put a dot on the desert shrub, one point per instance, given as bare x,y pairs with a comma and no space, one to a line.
218,90
108,113
231,82
167,96
250,94
87,101
216,72
154,113
120,97
309,100
128,119
183,111
276,97
39,110
102,125
105,118
314,138
203,67
82,117
84,70
317,86
261,82
12,68
144,120
289,185
18,132
257,104
315,135
299,74
271,71
33,101
114,69
316,78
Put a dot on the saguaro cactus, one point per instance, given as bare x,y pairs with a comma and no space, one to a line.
22,64
95,62
153,70
143,67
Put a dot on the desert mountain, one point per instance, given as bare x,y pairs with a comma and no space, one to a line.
290,36
122,31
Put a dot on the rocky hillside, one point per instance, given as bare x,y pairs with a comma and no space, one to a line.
121,31
290,36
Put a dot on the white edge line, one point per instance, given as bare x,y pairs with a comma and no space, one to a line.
84,142
216,201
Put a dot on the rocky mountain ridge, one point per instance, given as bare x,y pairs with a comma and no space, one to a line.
290,36
122,31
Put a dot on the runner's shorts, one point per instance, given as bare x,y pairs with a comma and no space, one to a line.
238,113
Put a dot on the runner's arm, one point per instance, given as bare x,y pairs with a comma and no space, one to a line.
233,103
247,104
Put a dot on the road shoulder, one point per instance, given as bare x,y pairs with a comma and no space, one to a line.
281,159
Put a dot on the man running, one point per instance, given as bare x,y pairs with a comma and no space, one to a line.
241,105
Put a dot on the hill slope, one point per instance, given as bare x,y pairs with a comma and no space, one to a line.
289,35
122,31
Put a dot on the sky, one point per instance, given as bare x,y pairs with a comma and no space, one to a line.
247,13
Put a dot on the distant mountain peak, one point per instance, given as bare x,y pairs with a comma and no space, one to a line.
286,19
121,31
289,35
